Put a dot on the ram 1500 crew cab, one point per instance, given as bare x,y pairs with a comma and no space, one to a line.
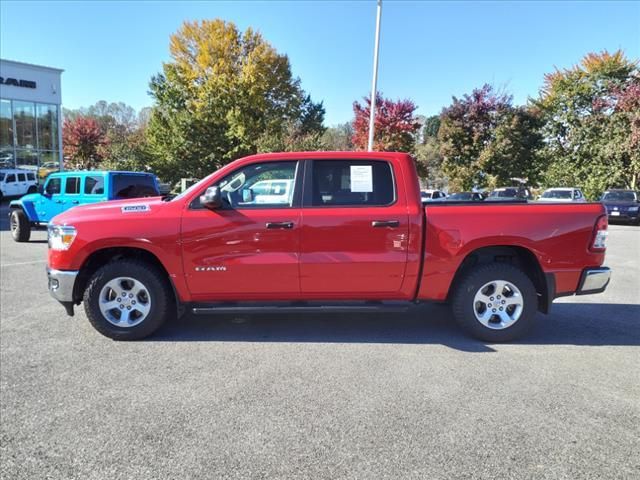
345,231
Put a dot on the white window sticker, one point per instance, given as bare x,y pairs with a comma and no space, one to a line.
361,178
135,208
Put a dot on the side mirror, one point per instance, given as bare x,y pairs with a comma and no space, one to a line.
211,198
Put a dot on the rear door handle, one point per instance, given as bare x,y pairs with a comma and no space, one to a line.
75,202
385,223
287,225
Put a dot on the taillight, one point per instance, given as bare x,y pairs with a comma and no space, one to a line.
600,233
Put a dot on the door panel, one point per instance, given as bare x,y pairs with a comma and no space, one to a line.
232,255
50,203
248,248
355,231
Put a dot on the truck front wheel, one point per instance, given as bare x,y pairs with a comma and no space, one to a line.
128,300
495,303
20,226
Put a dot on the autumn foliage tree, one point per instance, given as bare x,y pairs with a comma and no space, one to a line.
591,115
84,143
395,124
223,93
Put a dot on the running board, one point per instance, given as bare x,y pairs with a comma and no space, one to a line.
295,307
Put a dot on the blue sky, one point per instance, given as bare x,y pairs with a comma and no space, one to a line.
429,50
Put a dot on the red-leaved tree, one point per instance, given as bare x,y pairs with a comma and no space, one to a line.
395,125
84,143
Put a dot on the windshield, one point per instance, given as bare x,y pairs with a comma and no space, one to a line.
461,196
508,192
619,196
557,194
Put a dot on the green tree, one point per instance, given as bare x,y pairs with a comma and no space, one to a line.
514,149
221,95
590,114
338,138
429,163
431,127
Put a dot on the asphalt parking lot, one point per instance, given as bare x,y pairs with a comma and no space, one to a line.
319,396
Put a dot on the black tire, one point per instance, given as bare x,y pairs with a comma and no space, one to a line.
464,306
160,294
20,226
32,189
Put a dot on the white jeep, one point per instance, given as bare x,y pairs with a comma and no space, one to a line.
15,183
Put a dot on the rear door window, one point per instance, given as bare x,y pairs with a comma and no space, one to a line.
21,177
72,186
31,177
351,183
94,185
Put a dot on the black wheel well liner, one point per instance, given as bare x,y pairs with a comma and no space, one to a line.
107,255
520,257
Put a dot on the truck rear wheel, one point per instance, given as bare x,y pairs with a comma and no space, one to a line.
20,226
495,303
128,300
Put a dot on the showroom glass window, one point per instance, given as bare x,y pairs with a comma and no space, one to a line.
6,134
29,137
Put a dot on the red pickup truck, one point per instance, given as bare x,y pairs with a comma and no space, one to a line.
328,231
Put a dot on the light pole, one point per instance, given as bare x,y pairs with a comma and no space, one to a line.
372,105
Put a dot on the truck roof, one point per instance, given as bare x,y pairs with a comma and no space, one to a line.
98,172
324,155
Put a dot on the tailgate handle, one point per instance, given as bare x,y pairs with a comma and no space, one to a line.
385,223
287,225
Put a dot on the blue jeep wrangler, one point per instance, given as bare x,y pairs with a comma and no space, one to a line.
65,190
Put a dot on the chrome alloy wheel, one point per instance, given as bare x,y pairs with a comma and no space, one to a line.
124,302
498,304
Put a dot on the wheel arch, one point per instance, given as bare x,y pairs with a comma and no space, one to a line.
107,255
518,256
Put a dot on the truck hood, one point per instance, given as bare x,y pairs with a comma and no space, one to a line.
134,209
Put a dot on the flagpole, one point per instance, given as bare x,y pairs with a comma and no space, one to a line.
372,110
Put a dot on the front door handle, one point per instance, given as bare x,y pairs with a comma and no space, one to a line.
287,225
385,223
58,201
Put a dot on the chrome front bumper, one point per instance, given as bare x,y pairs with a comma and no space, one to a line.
61,283
594,280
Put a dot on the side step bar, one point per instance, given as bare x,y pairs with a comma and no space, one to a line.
295,307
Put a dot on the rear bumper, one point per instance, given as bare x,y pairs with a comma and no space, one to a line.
594,280
61,284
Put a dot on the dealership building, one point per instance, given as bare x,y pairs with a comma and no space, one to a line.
30,117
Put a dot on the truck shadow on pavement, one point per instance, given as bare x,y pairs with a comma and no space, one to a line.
569,324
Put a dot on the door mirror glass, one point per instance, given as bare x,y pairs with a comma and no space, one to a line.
211,198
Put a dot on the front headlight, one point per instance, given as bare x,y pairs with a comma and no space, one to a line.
60,237
633,209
